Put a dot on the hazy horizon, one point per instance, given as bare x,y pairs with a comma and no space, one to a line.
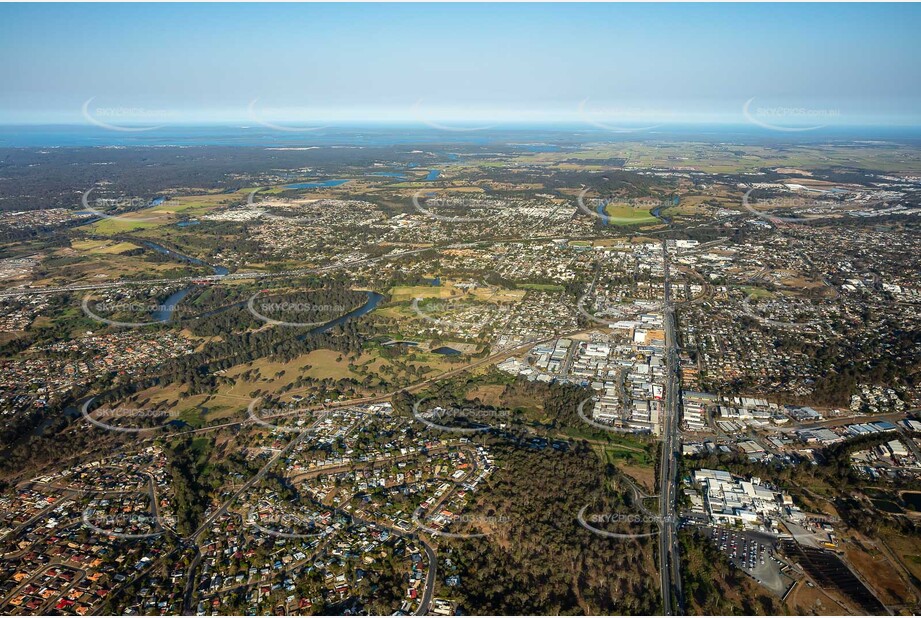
449,66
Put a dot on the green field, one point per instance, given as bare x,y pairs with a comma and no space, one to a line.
757,293
541,287
625,214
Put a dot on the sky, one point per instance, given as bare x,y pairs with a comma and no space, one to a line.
460,65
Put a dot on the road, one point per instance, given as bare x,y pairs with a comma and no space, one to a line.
192,539
252,481
429,590
669,557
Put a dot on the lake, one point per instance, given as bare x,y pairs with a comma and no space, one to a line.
316,185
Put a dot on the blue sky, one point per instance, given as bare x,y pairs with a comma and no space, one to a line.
467,63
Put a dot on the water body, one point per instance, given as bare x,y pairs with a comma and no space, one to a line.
374,299
396,175
218,270
913,500
537,147
164,313
446,351
657,211
82,135
316,185
887,506
602,212
433,175
188,223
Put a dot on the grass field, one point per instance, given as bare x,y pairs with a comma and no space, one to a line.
91,261
625,214
757,293
541,287
449,289
265,375
489,394
165,214
120,225
102,247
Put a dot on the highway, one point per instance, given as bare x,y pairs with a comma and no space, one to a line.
669,556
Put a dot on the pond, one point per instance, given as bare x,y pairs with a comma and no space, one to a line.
912,500
887,506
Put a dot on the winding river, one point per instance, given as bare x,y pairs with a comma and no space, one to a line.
164,313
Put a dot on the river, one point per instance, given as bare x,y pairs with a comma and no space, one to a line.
374,299
164,312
